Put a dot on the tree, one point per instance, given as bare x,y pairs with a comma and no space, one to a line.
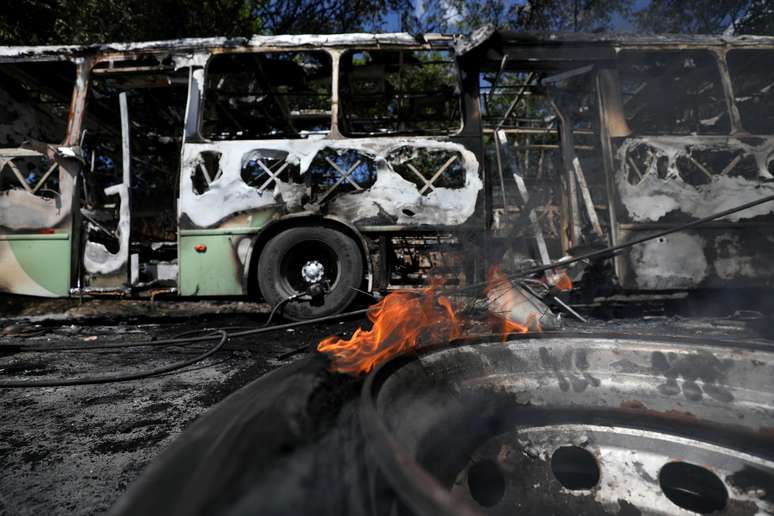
326,16
658,16
530,15
35,22
693,16
707,17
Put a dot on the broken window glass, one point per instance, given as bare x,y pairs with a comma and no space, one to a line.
267,95
35,173
695,165
399,92
752,77
673,92
34,102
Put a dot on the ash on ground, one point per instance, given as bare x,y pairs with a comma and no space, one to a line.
74,450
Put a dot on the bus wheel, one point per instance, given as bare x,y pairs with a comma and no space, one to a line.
313,259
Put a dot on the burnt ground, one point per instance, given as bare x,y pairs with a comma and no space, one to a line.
74,450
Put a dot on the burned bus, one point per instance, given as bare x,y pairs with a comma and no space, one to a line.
311,167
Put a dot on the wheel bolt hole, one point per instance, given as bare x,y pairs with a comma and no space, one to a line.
692,487
575,468
486,483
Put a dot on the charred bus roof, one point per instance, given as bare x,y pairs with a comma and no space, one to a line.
216,45
489,46
487,42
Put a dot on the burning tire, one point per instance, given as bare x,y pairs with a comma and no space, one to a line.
319,267
576,424
563,424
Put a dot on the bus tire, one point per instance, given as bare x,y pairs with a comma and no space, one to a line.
293,259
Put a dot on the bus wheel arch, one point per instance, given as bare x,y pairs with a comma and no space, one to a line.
292,222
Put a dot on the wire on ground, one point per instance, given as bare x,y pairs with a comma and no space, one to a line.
122,377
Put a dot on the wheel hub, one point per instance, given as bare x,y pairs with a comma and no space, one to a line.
313,271
577,424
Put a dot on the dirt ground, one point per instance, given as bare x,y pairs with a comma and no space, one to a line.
74,450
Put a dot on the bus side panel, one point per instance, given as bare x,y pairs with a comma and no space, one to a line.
210,263
683,157
733,251
36,231
38,181
37,265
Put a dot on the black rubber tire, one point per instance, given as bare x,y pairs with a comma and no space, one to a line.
276,284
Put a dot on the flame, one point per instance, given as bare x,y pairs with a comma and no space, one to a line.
398,322
561,281
499,287
402,317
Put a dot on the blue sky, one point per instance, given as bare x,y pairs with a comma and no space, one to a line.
392,21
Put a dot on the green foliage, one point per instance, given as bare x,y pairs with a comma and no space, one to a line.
529,15
674,16
91,21
326,16
694,16
708,17
37,22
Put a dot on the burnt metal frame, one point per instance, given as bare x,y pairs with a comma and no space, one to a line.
470,57
429,183
344,175
718,52
469,135
273,174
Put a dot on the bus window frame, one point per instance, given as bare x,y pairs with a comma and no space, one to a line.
201,97
736,114
718,55
454,59
80,76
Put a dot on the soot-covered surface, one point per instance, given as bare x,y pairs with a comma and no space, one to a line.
288,442
74,450
291,442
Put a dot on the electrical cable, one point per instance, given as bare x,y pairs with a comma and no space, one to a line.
278,306
601,253
179,339
122,377
173,341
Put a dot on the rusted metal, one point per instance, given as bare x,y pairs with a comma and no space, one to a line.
399,194
586,196
568,157
634,404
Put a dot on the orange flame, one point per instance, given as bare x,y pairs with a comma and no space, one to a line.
561,281
499,285
401,318
398,322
